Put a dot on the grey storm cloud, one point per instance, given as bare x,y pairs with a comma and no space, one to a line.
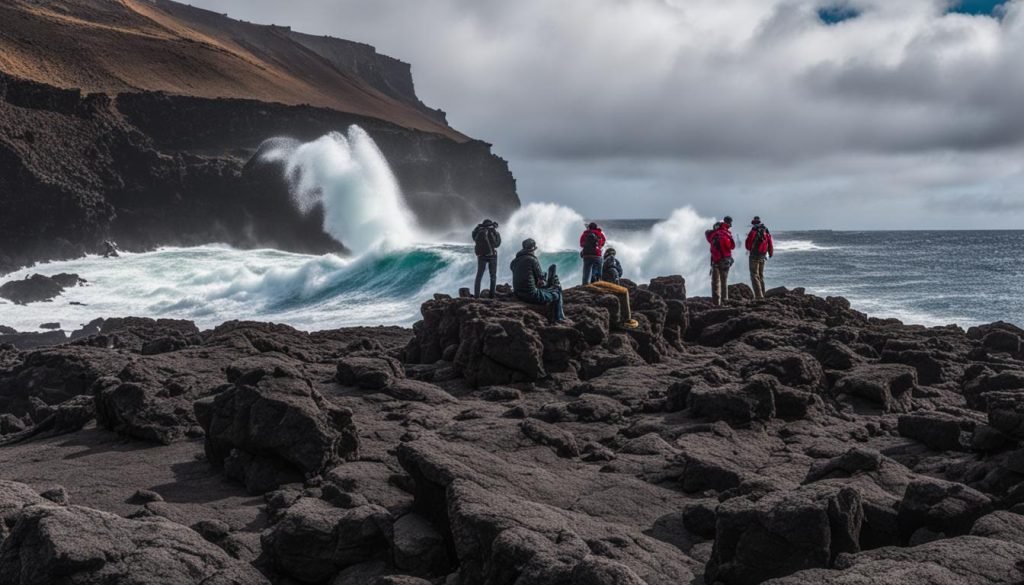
717,103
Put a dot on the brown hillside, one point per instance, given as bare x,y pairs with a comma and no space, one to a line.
114,46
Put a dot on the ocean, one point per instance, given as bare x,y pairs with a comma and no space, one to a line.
928,278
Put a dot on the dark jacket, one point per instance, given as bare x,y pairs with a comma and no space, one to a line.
487,240
526,273
612,270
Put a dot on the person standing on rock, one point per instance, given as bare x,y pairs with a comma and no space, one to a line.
722,245
487,240
761,247
591,242
530,285
611,271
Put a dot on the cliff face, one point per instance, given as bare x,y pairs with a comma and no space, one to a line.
152,148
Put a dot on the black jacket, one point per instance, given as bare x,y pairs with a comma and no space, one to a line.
526,273
487,240
612,269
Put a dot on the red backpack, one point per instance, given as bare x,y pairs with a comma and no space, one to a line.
760,245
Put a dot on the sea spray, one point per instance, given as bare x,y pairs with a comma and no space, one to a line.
349,176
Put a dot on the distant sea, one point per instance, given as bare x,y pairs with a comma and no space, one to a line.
925,277
930,278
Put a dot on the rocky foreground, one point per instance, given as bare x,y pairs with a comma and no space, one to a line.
794,441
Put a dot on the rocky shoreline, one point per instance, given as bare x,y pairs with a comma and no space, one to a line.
790,441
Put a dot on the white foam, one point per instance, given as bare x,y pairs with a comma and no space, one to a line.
783,245
348,175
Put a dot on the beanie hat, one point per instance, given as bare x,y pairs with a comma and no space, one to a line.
529,244
609,252
756,220
727,220
592,226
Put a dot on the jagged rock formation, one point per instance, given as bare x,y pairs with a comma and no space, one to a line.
151,148
789,441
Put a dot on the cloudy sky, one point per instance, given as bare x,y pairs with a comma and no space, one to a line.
843,114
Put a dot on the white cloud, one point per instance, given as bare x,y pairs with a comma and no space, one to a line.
754,101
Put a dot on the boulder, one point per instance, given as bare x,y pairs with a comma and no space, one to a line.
370,373
887,385
37,288
143,403
266,424
936,430
954,561
1006,413
783,532
942,507
418,546
1001,525
52,544
313,540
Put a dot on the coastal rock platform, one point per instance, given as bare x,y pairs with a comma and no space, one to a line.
788,441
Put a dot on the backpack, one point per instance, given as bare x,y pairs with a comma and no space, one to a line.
484,242
760,244
590,242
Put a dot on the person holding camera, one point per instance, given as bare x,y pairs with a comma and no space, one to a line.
486,240
722,245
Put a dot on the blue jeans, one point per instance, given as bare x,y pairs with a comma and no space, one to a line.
545,296
491,264
591,269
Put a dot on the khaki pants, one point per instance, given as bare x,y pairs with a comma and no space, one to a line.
621,292
720,282
757,276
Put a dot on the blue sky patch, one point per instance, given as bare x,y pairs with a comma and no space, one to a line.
983,7
837,13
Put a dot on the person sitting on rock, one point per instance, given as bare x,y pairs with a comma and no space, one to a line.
530,285
612,269
591,242
722,245
487,240
760,246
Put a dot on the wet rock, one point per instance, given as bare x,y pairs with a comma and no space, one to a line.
37,288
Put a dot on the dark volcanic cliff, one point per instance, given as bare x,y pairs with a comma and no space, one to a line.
154,148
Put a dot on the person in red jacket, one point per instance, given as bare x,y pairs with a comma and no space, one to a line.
722,245
591,242
760,246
